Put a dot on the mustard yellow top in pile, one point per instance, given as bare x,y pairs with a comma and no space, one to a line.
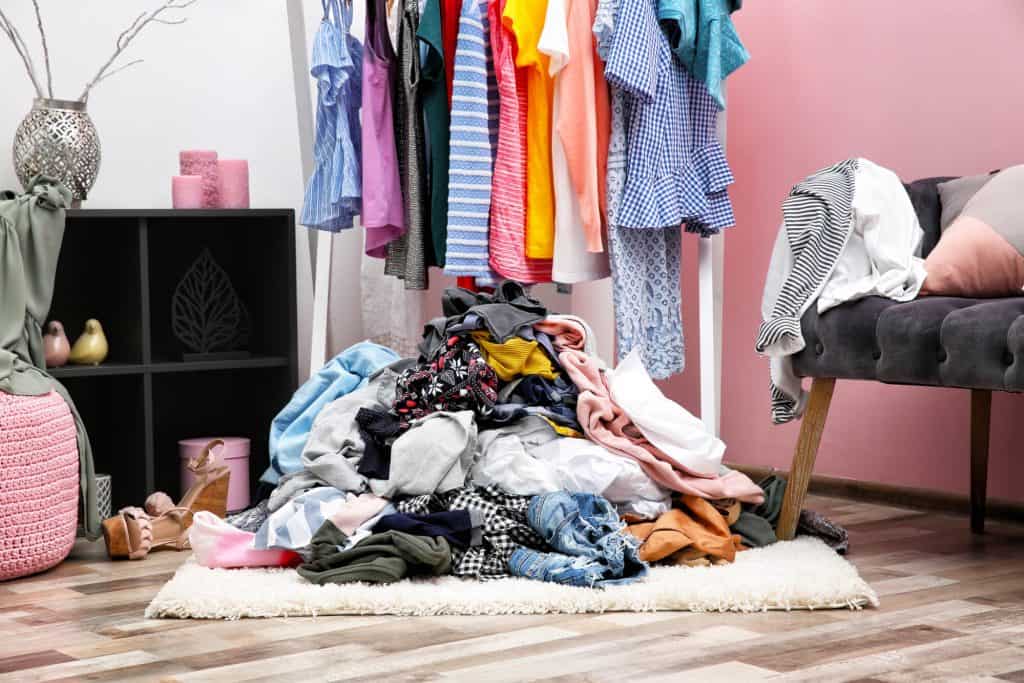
515,357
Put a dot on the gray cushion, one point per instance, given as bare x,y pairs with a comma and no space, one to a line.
924,195
938,341
954,195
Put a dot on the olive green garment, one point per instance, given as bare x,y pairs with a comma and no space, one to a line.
386,557
434,91
756,523
31,232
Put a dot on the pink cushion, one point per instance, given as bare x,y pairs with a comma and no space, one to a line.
973,260
39,483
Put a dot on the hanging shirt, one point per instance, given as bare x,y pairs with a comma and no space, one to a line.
704,39
579,141
407,257
334,191
525,19
646,264
470,157
433,94
508,191
383,213
677,171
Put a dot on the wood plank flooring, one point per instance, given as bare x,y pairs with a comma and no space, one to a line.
952,609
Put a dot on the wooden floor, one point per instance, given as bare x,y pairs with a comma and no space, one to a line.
952,609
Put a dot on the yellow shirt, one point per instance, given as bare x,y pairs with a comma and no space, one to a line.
525,19
515,357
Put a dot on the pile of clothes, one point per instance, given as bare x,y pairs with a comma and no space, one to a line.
506,448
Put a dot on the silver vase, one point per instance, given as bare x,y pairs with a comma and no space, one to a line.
57,138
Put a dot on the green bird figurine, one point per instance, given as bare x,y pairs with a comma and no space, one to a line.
91,347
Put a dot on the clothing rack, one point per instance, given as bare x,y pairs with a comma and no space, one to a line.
710,251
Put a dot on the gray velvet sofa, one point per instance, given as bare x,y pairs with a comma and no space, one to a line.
975,344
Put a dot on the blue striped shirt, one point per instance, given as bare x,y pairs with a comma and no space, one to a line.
473,144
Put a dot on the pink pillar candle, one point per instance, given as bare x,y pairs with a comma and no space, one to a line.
187,192
203,162
234,183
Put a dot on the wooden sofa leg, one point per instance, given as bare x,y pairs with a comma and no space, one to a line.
811,427
981,414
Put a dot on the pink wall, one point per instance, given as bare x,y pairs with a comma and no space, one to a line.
925,87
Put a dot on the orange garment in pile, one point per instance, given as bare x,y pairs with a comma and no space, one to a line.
525,19
681,536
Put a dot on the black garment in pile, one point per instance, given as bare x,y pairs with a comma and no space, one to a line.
462,528
379,429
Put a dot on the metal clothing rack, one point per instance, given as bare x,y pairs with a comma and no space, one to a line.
710,251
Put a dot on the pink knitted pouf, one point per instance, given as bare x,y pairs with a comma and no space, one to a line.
38,483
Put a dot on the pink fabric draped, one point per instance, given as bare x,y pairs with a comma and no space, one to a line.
607,424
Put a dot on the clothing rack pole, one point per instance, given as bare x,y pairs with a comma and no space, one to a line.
324,242
710,262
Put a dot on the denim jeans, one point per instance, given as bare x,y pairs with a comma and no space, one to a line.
593,550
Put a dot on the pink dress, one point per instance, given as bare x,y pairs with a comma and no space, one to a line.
383,212
508,188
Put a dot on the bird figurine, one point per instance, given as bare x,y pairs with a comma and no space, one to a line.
55,345
91,347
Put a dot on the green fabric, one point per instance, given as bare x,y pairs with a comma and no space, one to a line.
380,558
754,531
774,488
434,89
756,524
31,232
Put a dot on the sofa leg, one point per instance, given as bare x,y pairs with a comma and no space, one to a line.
811,427
981,414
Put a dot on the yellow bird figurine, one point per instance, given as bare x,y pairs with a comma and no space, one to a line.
91,347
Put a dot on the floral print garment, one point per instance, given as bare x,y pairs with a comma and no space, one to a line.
457,379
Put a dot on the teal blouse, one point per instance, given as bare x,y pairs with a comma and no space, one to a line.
704,40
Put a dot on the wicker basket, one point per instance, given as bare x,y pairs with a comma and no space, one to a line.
39,486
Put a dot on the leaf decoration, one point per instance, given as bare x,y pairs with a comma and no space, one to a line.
206,313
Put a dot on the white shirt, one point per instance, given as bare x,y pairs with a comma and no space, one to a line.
881,253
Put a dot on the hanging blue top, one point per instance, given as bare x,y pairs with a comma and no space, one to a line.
704,39
676,170
334,193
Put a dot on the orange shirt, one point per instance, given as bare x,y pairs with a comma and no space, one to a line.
584,119
525,19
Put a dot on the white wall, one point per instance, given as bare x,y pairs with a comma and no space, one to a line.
222,80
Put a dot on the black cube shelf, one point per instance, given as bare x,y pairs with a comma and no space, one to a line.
121,267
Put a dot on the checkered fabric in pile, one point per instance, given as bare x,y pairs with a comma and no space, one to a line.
505,527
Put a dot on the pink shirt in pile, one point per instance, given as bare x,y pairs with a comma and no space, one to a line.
606,423
507,248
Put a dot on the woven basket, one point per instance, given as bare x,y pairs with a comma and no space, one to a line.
38,485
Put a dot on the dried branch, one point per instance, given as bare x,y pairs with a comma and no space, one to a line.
129,34
11,31
46,48
118,69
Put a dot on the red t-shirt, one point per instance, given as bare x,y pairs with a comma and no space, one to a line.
450,11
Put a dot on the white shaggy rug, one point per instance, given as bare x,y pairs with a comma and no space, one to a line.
800,574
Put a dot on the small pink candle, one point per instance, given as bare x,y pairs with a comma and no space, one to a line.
187,191
234,183
203,162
